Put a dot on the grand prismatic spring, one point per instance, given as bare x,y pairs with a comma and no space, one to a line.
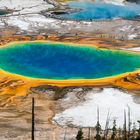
59,61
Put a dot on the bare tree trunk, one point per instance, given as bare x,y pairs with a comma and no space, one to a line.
33,118
89,134
124,128
106,126
65,134
129,123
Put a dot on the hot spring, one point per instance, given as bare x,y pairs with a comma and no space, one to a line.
101,11
61,61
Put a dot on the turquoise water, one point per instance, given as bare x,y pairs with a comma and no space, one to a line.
62,61
101,11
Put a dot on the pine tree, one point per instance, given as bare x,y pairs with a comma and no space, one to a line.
98,127
79,135
138,137
114,130
133,135
120,133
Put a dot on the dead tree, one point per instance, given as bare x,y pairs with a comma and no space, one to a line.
107,125
124,127
129,123
98,127
33,117
89,133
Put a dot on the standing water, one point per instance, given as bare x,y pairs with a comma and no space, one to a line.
101,11
64,61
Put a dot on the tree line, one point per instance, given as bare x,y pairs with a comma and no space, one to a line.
129,131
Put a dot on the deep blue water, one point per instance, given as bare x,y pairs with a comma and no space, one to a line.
101,11
62,61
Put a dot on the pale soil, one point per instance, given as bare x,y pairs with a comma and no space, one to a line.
15,119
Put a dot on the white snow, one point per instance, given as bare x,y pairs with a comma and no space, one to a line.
110,99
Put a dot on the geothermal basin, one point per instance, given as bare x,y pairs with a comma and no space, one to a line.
65,61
